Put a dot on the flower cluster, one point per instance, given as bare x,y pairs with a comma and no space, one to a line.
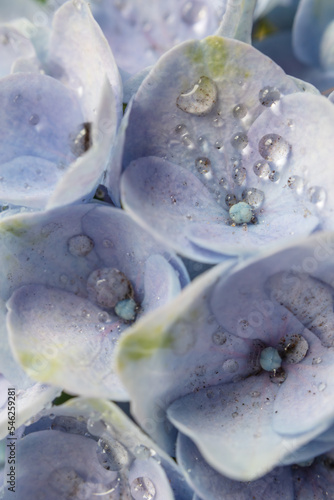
167,249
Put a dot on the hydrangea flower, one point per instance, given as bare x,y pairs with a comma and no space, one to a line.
304,481
306,51
242,364
64,107
74,279
89,449
228,158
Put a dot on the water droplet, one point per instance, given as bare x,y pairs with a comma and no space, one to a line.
273,147
142,488
293,348
316,361
219,145
201,99
322,386
80,141
203,165
255,394
126,309
95,426
108,286
111,454
239,111
34,119
317,195
269,96
103,317
239,175
230,199
194,11
296,183
142,452
218,337
262,169
217,122
230,366
65,481
274,176
254,197
241,213
181,130
188,142
270,359
80,245
78,4
18,99
239,141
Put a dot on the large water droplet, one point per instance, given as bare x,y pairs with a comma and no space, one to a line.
273,147
230,199
230,366
239,111
317,195
108,286
254,197
80,141
293,348
269,96
80,245
239,141
239,175
262,169
270,359
142,488
111,454
241,213
194,11
201,99
274,176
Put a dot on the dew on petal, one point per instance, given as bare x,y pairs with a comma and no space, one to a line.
316,361
254,197
239,111
270,359
218,337
296,183
274,176
103,317
142,488
201,99
66,481
203,165
142,452
241,213
278,376
230,199
187,141
239,141
238,172
219,145
34,119
273,147
194,11
317,195
80,141
322,386
293,348
255,394
269,96
108,286
230,366
80,245
111,454
181,130
261,169
126,309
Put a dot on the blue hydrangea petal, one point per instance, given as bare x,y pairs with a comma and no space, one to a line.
28,402
233,431
176,195
209,484
316,447
13,46
312,20
237,21
139,33
315,481
80,62
83,177
21,8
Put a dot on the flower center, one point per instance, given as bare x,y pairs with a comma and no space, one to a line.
270,359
